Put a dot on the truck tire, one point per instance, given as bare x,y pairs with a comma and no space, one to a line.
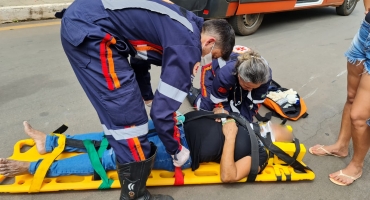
246,24
346,8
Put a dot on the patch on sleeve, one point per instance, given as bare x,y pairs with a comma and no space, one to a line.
240,49
222,90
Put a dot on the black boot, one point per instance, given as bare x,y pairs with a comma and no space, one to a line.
192,95
133,177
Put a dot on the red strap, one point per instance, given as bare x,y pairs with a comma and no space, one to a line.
176,132
103,59
179,177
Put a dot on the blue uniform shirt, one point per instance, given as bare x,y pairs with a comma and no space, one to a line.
221,88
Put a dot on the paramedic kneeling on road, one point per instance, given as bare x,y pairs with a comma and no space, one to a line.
209,141
238,85
99,35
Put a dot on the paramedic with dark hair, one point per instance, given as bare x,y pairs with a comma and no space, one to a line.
99,35
238,85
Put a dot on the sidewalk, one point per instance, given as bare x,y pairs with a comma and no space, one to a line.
19,10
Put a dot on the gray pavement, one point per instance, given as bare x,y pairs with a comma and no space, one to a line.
4,3
304,48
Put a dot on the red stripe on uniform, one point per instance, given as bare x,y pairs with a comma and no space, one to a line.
142,42
131,145
219,105
103,58
205,68
179,177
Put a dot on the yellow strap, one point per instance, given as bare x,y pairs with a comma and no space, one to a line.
45,164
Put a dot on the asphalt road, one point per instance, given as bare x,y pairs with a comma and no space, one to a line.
304,48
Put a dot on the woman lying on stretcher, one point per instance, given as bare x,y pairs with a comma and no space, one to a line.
209,141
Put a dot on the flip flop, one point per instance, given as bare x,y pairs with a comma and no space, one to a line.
341,174
327,153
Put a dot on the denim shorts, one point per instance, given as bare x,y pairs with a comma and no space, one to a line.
360,47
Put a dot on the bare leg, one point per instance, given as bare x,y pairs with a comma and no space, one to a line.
340,147
38,136
11,168
360,112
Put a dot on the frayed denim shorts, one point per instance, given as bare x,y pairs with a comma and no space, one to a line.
360,47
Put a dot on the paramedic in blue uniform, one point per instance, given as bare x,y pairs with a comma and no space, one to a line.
237,85
98,36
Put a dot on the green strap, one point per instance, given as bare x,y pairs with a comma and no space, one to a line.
103,146
98,167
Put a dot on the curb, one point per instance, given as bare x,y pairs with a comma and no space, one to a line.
32,12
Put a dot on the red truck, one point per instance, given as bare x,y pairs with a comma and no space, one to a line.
246,16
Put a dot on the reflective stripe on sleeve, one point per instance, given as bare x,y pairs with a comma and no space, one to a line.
171,92
258,101
233,108
147,5
198,103
217,100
